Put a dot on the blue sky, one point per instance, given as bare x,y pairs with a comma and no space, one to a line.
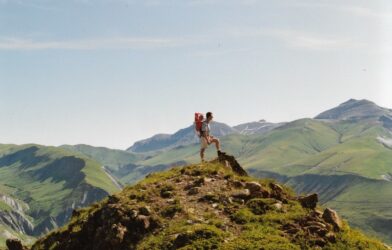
108,73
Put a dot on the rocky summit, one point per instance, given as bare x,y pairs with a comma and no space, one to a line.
205,206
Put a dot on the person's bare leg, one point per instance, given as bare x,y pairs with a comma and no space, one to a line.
217,143
202,154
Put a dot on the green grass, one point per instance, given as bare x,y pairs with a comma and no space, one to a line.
322,148
112,158
255,235
4,206
251,225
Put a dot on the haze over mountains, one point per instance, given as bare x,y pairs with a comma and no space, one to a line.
187,136
344,154
350,110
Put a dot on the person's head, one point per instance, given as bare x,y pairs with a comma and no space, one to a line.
209,116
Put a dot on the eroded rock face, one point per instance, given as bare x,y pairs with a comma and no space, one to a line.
332,217
235,166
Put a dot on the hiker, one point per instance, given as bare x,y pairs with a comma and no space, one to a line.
206,138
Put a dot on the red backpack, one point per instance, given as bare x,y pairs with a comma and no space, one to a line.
198,123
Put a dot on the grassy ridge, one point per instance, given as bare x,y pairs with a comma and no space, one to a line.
112,158
322,148
163,215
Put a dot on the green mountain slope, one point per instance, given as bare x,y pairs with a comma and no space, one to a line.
122,165
327,150
44,184
206,207
111,158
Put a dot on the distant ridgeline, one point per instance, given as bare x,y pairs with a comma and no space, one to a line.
343,154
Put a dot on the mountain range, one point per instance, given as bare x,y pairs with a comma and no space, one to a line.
344,154
186,136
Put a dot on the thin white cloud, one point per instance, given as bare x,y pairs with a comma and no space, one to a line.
293,39
299,39
209,2
220,52
94,44
176,2
310,41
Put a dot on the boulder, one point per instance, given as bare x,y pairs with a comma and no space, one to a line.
278,193
210,197
277,206
15,244
146,210
256,190
276,188
253,186
238,184
166,194
332,217
242,194
309,201
144,221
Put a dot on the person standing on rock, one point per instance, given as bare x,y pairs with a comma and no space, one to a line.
206,138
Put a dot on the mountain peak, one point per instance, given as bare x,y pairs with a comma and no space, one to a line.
354,109
205,207
356,102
